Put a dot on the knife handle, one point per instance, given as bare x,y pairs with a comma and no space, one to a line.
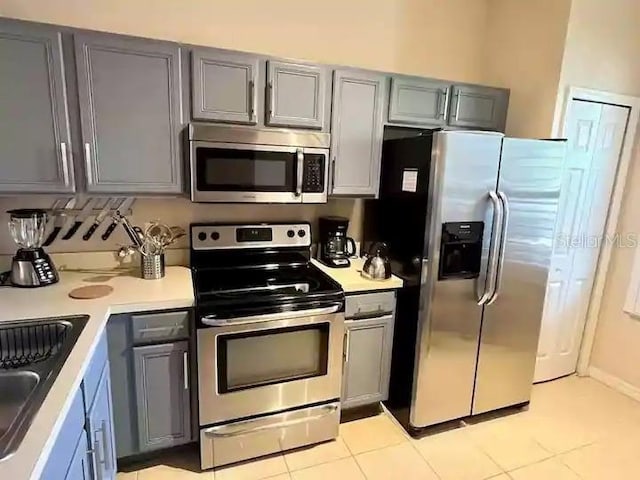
110,229
72,231
92,229
52,236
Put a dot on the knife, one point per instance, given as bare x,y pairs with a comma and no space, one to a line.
100,218
82,216
58,223
122,210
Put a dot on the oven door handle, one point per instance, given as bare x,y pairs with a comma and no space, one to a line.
244,427
212,321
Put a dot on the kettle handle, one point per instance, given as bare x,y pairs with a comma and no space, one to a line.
351,246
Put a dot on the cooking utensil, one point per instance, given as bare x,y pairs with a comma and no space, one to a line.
377,265
80,218
100,218
159,234
58,223
132,232
122,210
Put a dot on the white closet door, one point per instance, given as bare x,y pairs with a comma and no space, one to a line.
596,133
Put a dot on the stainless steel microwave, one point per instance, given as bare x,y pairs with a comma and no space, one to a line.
244,165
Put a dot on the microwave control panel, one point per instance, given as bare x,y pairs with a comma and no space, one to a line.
313,175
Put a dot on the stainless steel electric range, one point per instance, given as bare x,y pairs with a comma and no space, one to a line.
270,328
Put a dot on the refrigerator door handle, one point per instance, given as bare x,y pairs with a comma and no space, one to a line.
494,251
503,242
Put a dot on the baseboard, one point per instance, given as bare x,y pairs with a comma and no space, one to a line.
614,382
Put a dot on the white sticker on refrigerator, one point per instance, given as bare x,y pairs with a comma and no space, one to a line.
409,179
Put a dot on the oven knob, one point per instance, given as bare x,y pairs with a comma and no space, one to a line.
202,236
290,233
215,235
301,233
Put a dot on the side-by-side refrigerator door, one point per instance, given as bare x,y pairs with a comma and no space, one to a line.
460,222
529,187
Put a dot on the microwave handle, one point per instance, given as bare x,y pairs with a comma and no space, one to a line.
299,171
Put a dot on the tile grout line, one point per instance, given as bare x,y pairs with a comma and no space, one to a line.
425,460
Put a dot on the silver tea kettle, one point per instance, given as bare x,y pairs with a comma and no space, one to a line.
377,265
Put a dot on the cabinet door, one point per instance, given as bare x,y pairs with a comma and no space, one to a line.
296,95
130,113
478,107
35,149
367,361
79,468
162,391
418,102
224,86
356,133
100,425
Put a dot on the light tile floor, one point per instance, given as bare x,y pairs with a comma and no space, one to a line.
575,428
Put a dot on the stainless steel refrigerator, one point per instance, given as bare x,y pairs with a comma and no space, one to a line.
469,218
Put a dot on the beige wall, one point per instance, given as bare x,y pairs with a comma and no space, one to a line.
439,38
603,53
523,51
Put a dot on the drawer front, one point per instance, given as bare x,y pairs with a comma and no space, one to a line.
370,305
160,326
252,438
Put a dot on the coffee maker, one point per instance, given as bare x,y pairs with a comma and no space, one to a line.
335,247
31,266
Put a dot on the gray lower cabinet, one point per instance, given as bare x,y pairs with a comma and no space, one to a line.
130,111
295,95
100,426
356,132
149,356
478,107
79,468
224,86
418,101
35,143
368,345
84,447
162,393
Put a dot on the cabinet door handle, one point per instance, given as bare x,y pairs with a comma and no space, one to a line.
65,163
106,447
185,369
457,105
87,161
97,447
346,346
252,109
333,173
94,462
271,99
445,102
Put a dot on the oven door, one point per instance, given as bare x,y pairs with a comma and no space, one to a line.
229,172
269,363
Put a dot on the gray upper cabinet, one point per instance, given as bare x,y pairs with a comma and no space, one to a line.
130,111
420,102
35,148
478,107
367,361
356,132
162,392
224,86
295,95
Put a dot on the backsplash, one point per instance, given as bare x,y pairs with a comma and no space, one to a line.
181,212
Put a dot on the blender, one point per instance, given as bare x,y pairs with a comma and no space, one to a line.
31,266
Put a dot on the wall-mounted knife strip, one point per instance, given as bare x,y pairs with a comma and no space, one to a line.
70,221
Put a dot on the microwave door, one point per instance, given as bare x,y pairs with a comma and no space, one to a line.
242,173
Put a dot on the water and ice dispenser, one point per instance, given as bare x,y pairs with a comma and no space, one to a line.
460,250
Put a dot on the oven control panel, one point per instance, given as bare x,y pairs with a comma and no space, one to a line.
274,235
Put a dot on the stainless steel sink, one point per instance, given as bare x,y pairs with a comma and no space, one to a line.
32,353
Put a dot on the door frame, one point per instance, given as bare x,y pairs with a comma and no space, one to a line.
629,148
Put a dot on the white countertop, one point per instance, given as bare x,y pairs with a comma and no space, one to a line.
131,294
351,280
